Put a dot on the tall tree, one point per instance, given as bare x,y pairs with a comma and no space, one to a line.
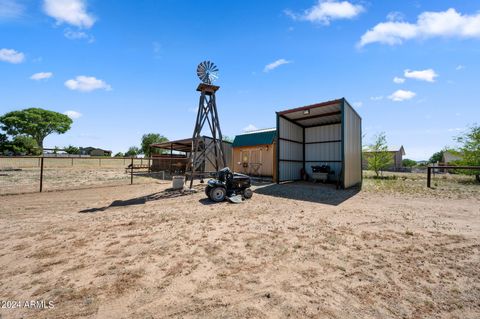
149,139
436,157
70,149
25,145
35,122
378,157
133,151
470,149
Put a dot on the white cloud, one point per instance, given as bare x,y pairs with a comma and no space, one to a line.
73,114
376,98
73,12
460,67
11,56
448,23
327,10
11,9
41,76
157,49
84,83
398,80
428,75
275,64
77,35
401,95
358,104
456,129
249,128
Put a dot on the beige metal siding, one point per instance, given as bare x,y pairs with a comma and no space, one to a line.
326,147
290,152
227,149
352,147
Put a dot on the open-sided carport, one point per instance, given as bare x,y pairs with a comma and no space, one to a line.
327,133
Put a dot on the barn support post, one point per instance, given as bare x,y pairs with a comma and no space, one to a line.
131,172
41,174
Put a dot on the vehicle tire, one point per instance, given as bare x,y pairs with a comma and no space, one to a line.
248,193
208,188
218,194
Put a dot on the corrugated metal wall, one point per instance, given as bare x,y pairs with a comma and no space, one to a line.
325,147
227,149
352,146
290,160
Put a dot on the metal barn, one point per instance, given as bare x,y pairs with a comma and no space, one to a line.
328,133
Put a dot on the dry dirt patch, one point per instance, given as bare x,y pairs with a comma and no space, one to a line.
369,255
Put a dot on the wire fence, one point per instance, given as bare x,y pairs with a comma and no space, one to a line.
24,174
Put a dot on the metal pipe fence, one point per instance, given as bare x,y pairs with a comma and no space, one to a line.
23,174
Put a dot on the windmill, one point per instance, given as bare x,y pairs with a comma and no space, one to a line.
204,150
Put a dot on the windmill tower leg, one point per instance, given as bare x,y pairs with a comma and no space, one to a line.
205,150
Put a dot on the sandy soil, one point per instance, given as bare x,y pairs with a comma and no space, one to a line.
27,180
309,251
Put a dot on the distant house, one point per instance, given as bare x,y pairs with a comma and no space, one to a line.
397,158
93,151
448,157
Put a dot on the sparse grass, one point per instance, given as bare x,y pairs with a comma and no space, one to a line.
444,185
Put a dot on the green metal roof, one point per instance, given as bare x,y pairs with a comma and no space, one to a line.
255,138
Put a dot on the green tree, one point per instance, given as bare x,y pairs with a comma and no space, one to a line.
149,139
409,163
119,154
70,149
35,122
25,145
378,157
436,157
470,149
133,151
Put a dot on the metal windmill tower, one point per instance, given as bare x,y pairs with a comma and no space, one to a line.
204,150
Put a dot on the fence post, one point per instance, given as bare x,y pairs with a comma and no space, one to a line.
429,176
131,172
99,162
72,161
41,174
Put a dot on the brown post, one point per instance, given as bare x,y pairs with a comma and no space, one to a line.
99,162
429,176
72,161
41,174
171,155
131,173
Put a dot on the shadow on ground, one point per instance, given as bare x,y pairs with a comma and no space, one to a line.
307,191
165,194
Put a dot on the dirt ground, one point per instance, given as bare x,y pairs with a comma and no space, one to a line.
292,251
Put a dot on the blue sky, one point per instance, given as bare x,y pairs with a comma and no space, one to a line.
126,68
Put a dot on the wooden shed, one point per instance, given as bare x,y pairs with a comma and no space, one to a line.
253,153
327,133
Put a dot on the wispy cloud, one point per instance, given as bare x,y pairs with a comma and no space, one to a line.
41,76
428,75
11,9
398,80
249,128
449,23
11,56
157,49
357,104
275,64
326,11
460,67
73,12
376,98
84,83
77,35
402,95
73,114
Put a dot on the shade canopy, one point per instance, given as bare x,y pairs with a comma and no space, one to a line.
329,112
